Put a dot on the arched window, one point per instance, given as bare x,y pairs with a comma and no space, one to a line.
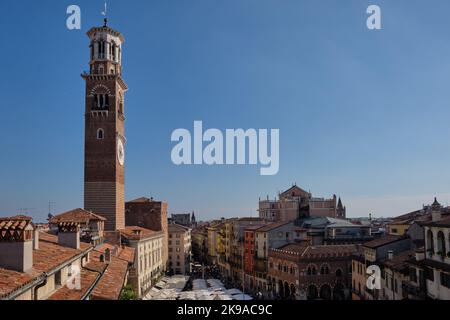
312,270
100,134
441,243
324,269
338,273
113,51
101,49
101,69
312,292
325,292
430,241
101,101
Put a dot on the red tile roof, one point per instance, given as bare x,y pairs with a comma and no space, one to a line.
49,256
304,251
253,228
373,244
138,233
250,219
444,222
272,226
110,276
140,200
326,251
112,281
399,261
127,254
122,252
87,279
14,223
173,227
297,248
76,215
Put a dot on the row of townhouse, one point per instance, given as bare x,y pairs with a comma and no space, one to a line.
413,261
244,250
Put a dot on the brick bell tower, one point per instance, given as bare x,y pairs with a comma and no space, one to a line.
104,151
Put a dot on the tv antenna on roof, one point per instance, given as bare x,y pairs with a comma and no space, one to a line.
105,14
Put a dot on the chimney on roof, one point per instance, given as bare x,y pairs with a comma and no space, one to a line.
420,255
69,235
390,255
16,244
36,239
107,255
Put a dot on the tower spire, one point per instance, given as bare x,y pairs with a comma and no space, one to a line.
105,14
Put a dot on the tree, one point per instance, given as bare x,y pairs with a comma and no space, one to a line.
128,293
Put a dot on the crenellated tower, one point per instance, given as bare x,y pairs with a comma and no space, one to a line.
104,153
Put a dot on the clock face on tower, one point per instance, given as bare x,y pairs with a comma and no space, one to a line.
120,152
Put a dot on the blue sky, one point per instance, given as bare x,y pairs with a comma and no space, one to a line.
362,114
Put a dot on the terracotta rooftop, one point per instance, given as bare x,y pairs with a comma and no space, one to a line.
445,222
272,226
373,244
253,228
49,256
127,254
87,279
249,219
122,252
109,274
138,233
400,260
325,251
112,280
142,200
76,215
304,251
173,227
14,223
295,248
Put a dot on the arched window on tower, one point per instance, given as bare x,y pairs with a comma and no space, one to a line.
430,242
113,51
100,134
101,69
101,101
441,244
101,49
